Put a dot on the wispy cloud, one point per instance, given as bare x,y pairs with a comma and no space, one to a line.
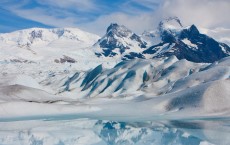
151,4
138,15
11,22
78,5
47,18
57,13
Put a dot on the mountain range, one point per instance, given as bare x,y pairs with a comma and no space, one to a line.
171,38
165,85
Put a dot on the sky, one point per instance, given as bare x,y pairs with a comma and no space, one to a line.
96,15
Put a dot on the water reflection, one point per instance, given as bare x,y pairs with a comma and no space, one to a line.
85,131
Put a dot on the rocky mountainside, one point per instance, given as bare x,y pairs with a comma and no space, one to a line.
119,41
171,38
189,44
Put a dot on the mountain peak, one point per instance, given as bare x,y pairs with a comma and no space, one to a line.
119,40
112,26
194,29
170,23
118,30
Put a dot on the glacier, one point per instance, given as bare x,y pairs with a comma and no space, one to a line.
192,109
59,86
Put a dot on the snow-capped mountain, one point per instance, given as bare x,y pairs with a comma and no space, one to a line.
53,46
187,43
39,36
119,41
171,38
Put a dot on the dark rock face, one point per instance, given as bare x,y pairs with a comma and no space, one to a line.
65,59
120,31
137,38
133,55
209,50
35,34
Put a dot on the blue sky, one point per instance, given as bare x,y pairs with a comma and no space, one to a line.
95,15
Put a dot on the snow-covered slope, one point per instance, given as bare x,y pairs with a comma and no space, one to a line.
131,78
128,79
53,46
35,36
177,93
41,36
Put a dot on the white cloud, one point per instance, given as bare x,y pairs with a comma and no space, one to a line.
134,6
205,13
